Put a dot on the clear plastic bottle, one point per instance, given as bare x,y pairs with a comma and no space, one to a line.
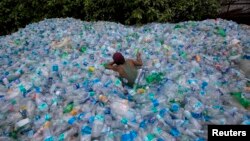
97,125
86,133
67,134
122,108
193,121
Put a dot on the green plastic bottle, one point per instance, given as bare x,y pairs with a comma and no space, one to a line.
154,78
22,89
13,134
183,55
150,137
221,32
64,55
83,49
68,108
177,26
242,100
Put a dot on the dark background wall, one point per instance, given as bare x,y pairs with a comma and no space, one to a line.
236,10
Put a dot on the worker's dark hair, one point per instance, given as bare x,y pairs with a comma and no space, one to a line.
118,58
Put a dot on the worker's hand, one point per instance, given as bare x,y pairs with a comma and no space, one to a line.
112,66
112,63
138,61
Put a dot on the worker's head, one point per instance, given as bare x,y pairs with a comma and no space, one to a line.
118,58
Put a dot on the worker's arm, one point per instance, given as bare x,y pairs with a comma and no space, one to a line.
138,61
111,66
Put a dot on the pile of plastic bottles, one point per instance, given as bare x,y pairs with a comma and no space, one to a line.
54,87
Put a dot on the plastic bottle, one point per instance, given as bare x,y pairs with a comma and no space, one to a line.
47,133
67,134
42,106
109,136
243,101
97,125
149,110
128,123
122,108
68,108
162,134
86,133
154,78
192,120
